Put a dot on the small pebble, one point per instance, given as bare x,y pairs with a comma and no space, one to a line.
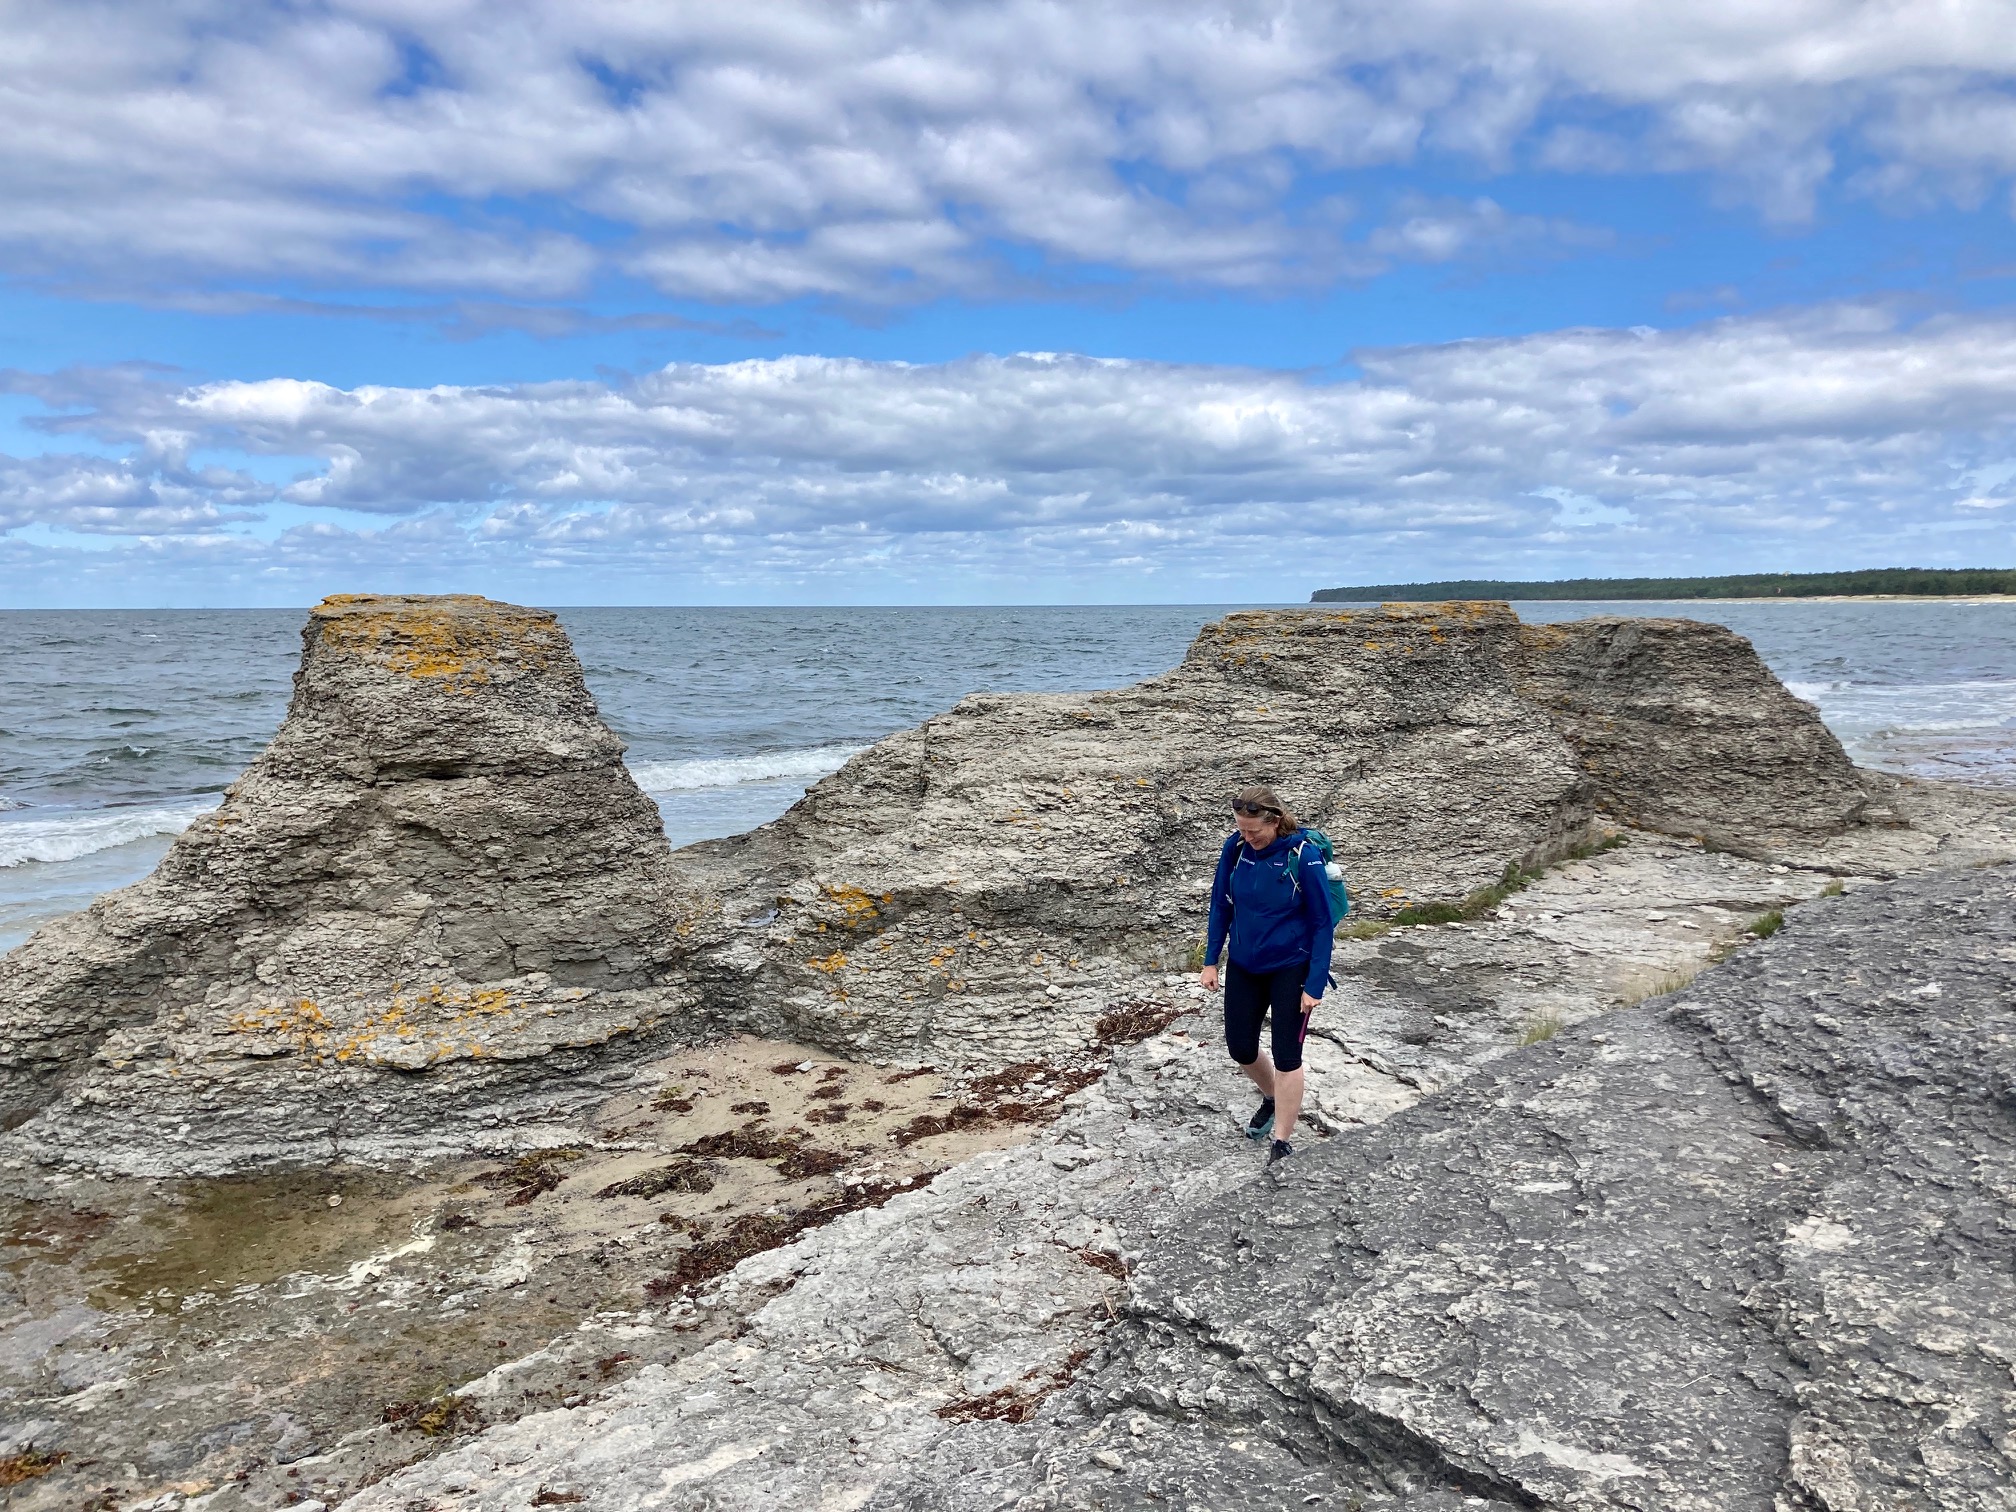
335,1202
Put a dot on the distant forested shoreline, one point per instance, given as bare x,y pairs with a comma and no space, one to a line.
1931,582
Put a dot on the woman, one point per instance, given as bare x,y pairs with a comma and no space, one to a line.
1269,896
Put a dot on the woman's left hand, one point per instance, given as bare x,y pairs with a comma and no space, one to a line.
1309,1003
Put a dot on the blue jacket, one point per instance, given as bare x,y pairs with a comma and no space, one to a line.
1273,921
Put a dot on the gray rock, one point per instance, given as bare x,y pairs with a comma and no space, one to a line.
1744,1247
919,903
439,865
1682,729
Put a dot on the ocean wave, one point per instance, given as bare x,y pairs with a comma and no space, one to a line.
76,834
733,771
1978,704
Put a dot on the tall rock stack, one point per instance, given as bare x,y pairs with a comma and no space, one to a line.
964,891
439,866
1682,729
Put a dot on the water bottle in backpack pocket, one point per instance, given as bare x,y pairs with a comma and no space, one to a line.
1333,874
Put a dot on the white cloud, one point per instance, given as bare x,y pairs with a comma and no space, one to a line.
756,153
1839,430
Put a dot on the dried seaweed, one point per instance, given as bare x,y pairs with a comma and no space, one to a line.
925,1125
1099,1260
753,1233
810,1160
29,1464
740,1144
1131,1023
434,1416
1016,1402
680,1176
529,1175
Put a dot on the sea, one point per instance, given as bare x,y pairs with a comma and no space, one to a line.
117,728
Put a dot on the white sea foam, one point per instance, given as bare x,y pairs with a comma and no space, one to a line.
1981,704
732,771
68,836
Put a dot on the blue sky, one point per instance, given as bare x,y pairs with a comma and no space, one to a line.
605,303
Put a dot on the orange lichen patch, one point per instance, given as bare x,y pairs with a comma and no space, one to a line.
301,1020
856,906
1544,637
460,639
828,964
446,1015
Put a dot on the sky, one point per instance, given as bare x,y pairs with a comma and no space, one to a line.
641,301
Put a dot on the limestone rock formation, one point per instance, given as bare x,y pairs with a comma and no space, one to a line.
1681,728
433,910
1745,1247
954,892
439,864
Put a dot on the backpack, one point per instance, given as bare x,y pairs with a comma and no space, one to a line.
1333,874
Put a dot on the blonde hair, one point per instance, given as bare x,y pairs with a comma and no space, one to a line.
1260,796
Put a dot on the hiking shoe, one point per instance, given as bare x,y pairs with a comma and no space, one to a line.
1281,1151
1262,1119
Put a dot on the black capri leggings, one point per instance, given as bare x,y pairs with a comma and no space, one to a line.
1248,995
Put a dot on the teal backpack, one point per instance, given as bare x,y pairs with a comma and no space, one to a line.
1333,874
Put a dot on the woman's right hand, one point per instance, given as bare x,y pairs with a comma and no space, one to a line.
1209,977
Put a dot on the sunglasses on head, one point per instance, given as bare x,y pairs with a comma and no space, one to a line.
1254,810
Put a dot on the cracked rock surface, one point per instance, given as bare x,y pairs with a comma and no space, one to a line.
1565,1270
1747,1246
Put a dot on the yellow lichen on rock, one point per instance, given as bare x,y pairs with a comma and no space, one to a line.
461,638
857,906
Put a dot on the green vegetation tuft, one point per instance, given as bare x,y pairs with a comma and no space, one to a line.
1194,961
1436,912
1365,929
1484,899
1665,982
1931,582
1832,889
1542,1026
1766,925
